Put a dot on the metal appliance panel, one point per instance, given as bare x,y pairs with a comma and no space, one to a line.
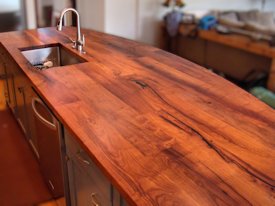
47,129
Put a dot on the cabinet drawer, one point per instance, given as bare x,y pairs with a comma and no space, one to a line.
80,158
86,191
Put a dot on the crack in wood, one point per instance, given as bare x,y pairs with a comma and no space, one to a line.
225,157
142,84
218,151
243,110
197,177
209,144
232,188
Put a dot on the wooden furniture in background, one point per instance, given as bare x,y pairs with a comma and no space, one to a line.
271,80
235,41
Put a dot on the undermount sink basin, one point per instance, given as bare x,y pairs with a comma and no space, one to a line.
51,56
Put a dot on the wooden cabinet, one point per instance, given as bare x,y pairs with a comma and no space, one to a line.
16,84
20,85
41,128
3,76
10,87
19,93
87,184
85,190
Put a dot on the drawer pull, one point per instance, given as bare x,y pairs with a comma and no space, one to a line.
81,159
53,125
51,184
94,200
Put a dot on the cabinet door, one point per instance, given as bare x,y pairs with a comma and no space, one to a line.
11,100
117,198
29,95
117,201
20,84
48,133
3,77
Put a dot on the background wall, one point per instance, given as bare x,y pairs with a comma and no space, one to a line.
221,4
9,6
59,5
150,14
121,18
30,14
91,14
141,19
40,5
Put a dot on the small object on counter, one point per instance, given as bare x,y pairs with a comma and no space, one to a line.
254,21
230,19
222,29
188,19
43,65
264,95
208,22
253,35
189,30
48,64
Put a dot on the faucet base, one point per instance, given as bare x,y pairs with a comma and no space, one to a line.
79,48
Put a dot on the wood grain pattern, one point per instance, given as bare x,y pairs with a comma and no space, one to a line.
165,131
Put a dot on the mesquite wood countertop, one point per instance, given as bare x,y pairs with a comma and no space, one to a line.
165,131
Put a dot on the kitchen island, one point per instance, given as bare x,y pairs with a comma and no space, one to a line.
163,130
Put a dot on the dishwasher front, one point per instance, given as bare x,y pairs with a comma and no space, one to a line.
48,134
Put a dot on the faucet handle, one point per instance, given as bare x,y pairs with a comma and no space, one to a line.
58,25
83,40
73,41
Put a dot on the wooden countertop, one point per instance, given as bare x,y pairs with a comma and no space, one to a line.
164,130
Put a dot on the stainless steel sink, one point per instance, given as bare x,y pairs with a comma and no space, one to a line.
51,56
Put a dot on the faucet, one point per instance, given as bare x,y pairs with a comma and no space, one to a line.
80,40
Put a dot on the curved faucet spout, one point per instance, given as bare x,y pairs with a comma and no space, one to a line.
79,43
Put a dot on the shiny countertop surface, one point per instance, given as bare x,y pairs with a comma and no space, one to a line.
164,131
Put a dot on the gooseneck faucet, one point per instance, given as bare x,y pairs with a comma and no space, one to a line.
80,40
